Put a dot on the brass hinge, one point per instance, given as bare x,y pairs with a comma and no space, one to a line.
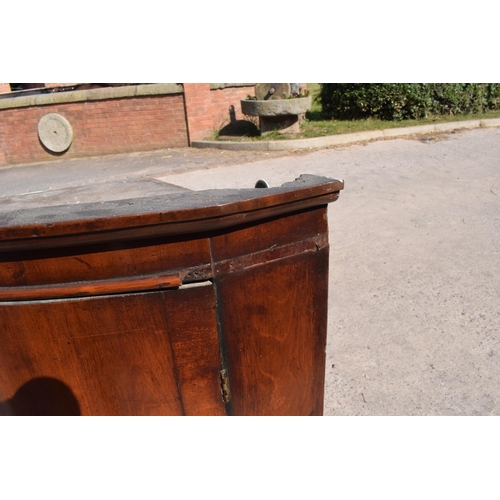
224,386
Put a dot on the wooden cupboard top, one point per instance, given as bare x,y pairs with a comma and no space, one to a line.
174,213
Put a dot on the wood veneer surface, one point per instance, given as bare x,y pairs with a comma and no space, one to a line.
257,307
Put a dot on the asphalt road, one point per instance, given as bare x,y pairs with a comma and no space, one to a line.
414,303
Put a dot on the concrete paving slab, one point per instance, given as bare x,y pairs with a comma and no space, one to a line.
63,174
313,142
492,122
333,140
403,131
457,125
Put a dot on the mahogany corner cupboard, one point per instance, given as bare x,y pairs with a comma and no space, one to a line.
184,303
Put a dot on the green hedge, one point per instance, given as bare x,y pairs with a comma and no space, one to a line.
399,101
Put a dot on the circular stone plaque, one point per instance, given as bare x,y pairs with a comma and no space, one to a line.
55,132
271,91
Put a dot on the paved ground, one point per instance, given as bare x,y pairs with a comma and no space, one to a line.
89,174
414,306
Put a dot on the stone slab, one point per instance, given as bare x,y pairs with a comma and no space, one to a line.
457,125
314,142
55,132
491,122
272,91
277,107
91,95
419,129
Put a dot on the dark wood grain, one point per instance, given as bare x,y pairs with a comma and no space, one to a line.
131,351
11,271
90,288
191,316
273,316
250,238
273,321
105,261
113,353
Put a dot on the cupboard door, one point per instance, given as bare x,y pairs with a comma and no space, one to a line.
109,355
274,320
272,295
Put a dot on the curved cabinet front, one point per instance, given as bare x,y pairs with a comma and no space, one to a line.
210,303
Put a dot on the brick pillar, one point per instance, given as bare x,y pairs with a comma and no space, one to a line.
4,88
198,111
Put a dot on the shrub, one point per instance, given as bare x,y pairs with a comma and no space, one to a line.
399,101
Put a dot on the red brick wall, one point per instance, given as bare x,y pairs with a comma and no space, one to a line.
99,127
223,99
198,110
121,125
209,110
